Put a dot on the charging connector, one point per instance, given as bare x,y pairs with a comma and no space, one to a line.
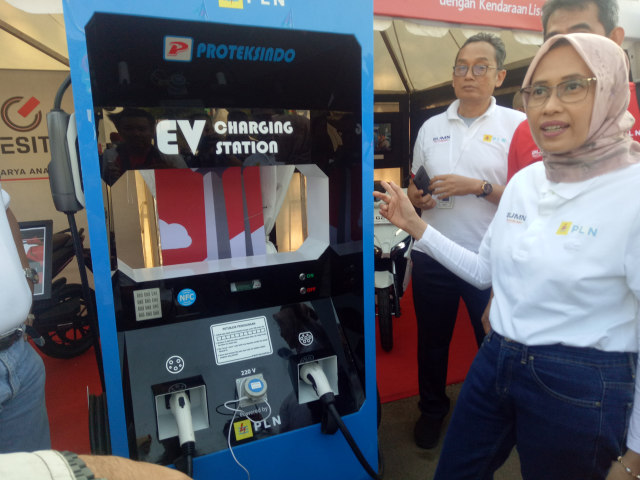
181,408
313,374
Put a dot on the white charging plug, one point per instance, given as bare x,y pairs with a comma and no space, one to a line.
181,409
313,374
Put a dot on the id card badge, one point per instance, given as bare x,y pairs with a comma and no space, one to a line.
445,202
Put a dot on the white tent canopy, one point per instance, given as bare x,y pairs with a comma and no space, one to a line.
32,41
409,55
415,55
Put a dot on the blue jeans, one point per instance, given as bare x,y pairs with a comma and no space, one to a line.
436,296
24,425
566,409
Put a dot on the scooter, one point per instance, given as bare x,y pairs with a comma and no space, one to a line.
61,320
391,247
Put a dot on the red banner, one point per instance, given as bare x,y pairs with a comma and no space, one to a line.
509,14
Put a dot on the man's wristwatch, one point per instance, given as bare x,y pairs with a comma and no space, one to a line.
80,469
31,275
487,188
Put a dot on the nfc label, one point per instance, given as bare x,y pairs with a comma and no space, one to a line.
186,297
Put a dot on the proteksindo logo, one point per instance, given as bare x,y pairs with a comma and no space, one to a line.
178,49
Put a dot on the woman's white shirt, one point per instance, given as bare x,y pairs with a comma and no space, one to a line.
564,262
563,259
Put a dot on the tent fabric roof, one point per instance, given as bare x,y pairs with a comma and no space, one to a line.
425,52
410,55
32,41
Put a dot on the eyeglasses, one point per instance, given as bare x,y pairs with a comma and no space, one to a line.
476,70
571,91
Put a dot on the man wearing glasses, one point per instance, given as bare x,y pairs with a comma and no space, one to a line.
571,16
464,151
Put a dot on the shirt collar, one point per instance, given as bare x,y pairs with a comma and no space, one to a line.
565,190
452,111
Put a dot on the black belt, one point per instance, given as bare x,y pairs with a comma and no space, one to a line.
7,341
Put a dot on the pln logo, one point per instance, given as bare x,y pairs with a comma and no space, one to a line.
239,4
178,49
243,429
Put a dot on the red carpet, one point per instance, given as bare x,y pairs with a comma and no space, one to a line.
397,370
67,403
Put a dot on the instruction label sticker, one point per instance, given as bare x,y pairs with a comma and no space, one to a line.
240,340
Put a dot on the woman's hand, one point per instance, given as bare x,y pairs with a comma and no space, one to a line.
398,209
630,459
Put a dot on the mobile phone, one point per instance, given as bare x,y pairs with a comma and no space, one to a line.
422,180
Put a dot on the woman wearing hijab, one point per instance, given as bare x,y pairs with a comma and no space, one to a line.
556,375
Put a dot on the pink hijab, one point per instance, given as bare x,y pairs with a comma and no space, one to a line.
608,146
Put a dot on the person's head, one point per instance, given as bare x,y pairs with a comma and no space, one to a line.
478,68
582,16
576,96
135,126
516,103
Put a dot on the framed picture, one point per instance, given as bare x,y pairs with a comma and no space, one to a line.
382,137
37,244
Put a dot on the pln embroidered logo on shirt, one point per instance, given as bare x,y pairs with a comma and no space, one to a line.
564,228
567,228
493,139
441,139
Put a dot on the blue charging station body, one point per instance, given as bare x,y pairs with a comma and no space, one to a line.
233,327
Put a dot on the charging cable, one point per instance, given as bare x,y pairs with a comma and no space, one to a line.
237,411
312,374
181,409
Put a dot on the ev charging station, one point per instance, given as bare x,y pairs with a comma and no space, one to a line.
231,286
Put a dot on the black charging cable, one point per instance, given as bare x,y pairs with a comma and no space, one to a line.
313,374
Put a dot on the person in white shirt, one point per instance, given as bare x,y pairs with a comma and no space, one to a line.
556,375
24,424
464,151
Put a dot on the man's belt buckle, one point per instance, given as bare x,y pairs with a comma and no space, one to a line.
9,339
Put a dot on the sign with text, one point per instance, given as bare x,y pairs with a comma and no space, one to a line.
509,14
26,98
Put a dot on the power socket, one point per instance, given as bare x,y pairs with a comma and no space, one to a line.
251,389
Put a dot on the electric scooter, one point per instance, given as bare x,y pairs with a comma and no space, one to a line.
391,247
61,320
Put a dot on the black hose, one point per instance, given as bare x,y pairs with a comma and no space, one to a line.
188,451
352,443
190,466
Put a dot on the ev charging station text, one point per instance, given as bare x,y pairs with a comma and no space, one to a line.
167,135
